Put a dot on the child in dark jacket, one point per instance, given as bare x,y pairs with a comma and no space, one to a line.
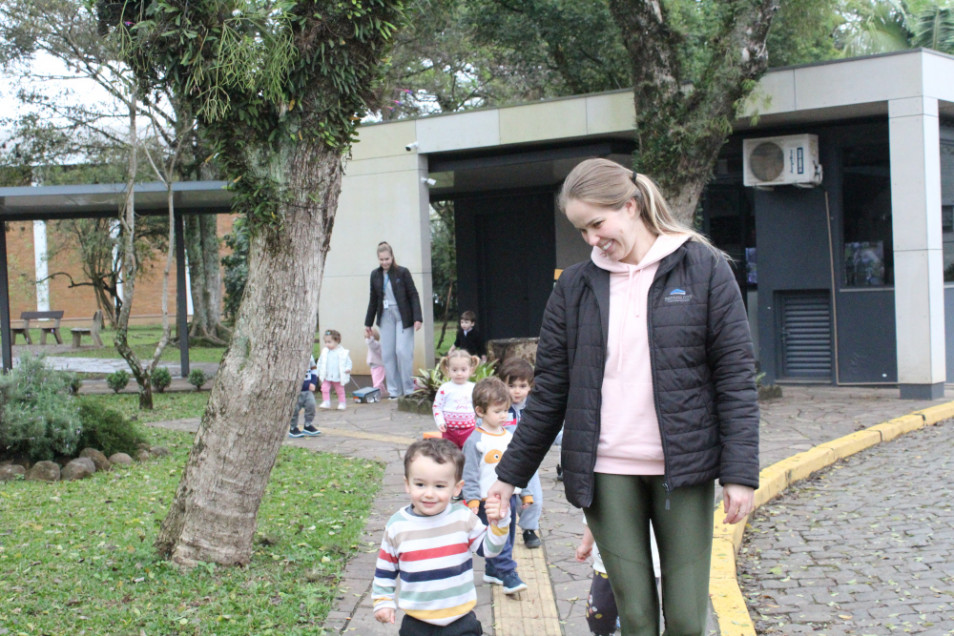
306,400
468,337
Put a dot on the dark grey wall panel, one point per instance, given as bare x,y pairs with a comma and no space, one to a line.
949,330
792,254
867,347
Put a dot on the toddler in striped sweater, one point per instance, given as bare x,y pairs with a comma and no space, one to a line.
428,546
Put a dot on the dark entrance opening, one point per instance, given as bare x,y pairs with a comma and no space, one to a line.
505,255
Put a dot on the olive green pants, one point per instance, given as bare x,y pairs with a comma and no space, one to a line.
682,522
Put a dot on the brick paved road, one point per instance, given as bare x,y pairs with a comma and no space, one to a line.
866,547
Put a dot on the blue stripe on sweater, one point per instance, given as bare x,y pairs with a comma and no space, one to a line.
436,575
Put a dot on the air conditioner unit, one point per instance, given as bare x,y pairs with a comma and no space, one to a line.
788,160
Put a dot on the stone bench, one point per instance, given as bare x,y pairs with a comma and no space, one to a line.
92,331
44,327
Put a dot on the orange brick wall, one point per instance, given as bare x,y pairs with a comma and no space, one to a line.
79,303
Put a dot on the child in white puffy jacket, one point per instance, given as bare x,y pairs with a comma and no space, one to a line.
334,369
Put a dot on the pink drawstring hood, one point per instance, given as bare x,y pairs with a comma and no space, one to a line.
630,443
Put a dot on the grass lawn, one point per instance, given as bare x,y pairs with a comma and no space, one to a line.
78,558
166,406
143,339
440,348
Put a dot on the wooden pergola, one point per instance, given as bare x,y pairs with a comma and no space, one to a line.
47,203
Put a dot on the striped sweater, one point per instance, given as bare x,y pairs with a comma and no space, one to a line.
432,557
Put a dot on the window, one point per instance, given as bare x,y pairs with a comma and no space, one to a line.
867,247
947,207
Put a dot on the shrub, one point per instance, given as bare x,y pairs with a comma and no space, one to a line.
117,380
38,418
161,379
429,381
74,381
197,378
108,430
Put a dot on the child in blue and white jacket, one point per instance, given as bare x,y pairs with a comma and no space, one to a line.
334,369
306,400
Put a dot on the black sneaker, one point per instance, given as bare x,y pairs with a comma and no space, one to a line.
559,472
311,430
530,539
295,432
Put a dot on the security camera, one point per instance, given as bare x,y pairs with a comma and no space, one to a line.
428,182
411,146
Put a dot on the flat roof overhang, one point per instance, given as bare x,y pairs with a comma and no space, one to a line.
41,203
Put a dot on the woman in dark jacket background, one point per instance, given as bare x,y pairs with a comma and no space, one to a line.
646,360
396,305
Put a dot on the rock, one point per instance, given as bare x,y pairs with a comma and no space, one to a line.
143,455
504,348
159,451
98,458
79,468
43,471
9,472
415,404
120,458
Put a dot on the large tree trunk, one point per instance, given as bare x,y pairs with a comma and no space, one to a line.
202,246
212,518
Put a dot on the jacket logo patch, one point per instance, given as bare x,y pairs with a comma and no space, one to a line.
677,296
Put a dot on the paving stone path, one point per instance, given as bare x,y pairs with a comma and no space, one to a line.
865,547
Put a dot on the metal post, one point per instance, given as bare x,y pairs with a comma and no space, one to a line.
5,332
182,311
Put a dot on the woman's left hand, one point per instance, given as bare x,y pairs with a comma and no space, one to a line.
417,325
738,502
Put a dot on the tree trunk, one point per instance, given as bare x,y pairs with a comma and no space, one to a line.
202,246
212,518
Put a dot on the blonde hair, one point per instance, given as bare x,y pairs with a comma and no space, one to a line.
607,184
458,353
383,247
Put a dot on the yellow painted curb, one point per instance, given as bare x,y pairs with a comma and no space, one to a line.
935,414
898,426
726,596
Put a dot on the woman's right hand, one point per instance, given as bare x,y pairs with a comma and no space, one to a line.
505,492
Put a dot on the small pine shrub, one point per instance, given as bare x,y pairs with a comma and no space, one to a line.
38,417
75,382
161,379
117,380
197,378
108,430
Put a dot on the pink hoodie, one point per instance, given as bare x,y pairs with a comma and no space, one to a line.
630,443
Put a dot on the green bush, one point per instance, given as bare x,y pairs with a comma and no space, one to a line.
161,379
108,430
197,378
117,380
428,383
38,418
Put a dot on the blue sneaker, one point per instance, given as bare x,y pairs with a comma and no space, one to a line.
513,584
490,575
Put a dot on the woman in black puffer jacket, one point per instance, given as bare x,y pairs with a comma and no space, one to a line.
646,360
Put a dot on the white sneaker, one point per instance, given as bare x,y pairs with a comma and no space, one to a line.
325,405
341,406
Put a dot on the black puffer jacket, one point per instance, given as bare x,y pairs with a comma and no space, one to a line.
703,376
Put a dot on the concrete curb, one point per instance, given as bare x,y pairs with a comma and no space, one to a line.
728,603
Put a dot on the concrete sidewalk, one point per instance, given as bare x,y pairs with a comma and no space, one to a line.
805,417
